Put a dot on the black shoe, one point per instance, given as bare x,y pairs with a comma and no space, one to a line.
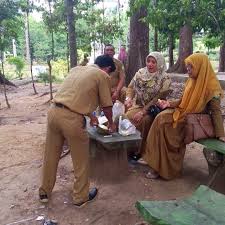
92,194
134,157
43,198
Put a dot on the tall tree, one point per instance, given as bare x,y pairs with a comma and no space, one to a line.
214,22
9,22
173,17
2,77
222,58
69,5
185,49
51,29
138,48
52,47
27,7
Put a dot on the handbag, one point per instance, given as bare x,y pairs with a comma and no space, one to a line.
153,110
198,126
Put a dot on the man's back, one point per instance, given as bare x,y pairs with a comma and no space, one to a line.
84,89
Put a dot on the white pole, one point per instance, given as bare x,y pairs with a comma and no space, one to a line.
14,47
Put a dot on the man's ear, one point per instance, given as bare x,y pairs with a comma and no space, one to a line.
109,69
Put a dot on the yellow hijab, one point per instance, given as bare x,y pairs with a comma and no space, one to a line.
199,91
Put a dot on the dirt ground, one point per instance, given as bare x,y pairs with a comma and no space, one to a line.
22,138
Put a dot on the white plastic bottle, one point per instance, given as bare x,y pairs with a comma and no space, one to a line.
119,127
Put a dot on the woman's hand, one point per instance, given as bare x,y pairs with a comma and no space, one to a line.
162,104
112,128
115,96
128,103
138,116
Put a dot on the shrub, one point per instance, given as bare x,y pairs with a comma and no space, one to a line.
59,69
19,63
44,77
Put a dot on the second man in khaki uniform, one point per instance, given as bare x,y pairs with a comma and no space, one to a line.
117,78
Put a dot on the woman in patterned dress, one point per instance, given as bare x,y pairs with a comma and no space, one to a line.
147,86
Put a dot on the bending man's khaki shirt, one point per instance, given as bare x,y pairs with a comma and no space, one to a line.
84,89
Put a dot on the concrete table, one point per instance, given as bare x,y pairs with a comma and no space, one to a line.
109,155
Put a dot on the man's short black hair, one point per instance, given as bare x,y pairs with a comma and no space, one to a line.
105,61
109,45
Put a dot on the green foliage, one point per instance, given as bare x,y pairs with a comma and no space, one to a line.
92,24
41,42
56,20
214,18
10,22
44,77
80,55
211,42
59,72
95,24
8,9
18,63
59,69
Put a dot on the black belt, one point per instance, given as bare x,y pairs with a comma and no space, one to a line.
60,105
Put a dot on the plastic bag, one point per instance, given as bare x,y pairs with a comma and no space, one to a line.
126,127
118,109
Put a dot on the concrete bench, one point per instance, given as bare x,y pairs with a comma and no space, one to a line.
214,152
204,207
109,161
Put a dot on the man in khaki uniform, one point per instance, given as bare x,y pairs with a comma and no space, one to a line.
117,78
85,88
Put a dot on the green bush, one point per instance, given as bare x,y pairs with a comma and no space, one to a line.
59,69
44,77
19,63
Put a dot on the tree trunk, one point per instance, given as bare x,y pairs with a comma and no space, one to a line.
3,81
69,5
29,47
156,48
2,74
67,52
50,78
171,47
52,33
222,58
138,47
27,39
185,49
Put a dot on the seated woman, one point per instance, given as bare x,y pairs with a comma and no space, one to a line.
147,85
165,145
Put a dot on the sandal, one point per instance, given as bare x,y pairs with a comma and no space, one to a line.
142,161
152,175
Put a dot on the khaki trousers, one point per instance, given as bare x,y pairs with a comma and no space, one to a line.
64,124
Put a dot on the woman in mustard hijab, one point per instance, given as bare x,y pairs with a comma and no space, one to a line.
165,145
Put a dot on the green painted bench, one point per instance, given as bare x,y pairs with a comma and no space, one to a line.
214,152
204,207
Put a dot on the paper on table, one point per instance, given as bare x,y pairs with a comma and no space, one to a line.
102,119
